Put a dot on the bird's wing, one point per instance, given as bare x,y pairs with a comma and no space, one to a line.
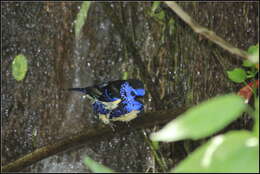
94,92
107,92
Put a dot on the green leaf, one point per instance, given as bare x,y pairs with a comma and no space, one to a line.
156,4
236,151
160,16
19,67
237,75
253,52
251,74
81,17
125,75
96,167
247,63
252,49
202,120
256,114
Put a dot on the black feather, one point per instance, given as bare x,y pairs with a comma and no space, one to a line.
107,90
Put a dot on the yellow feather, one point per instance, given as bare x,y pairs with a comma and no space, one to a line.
111,105
127,117
104,118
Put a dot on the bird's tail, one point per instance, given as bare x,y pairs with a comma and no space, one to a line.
83,90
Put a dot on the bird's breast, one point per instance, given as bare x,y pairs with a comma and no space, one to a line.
126,117
111,105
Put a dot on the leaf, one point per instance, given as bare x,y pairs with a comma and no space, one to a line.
247,91
236,151
81,17
19,67
160,15
96,167
251,74
237,75
256,114
202,120
247,63
156,4
253,52
125,75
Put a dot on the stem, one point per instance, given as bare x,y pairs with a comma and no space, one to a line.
205,32
159,160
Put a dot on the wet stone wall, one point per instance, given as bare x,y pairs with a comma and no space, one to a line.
177,66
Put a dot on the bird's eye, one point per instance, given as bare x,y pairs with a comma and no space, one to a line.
132,93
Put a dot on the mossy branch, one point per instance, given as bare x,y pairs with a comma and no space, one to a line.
205,32
145,120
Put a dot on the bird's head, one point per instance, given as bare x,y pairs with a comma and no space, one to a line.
138,87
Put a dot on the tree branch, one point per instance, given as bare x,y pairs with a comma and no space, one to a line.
145,120
205,32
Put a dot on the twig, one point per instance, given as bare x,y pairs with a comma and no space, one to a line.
145,120
205,32
159,160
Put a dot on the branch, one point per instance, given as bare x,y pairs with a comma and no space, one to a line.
145,120
205,32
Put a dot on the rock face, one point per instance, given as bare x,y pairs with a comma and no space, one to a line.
178,67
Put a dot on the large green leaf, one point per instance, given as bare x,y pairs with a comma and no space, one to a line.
237,75
256,114
19,67
81,17
236,151
96,167
202,120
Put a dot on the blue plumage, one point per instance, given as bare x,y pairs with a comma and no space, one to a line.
116,100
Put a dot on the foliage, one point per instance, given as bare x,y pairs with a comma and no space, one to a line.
256,117
235,151
81,17
239,75
253,52
160,16
96,167
19,67
125,75
157,13
202,120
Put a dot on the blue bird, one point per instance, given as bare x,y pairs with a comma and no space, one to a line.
115,100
